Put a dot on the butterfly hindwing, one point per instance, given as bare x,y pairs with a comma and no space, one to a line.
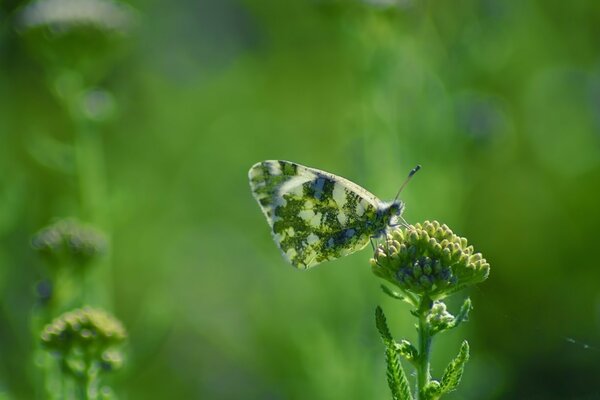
314,215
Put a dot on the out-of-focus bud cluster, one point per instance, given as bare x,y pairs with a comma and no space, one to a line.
85,338
428,259
68,239
65,14
81,38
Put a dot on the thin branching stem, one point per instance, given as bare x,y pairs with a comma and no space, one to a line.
425,338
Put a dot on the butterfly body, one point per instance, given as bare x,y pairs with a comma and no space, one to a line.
317,216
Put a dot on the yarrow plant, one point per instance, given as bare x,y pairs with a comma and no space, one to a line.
81,345
86,343
317,216
426,262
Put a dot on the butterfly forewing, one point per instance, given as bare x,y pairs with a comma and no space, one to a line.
314,215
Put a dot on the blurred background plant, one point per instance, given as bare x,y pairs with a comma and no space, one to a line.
85,345
75,44
143,124
80,340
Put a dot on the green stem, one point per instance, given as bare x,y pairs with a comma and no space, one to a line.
425,338
90,170
91,387
89,156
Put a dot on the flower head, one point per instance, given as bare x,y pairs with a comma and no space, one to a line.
428,259
85,336
68,238
104,15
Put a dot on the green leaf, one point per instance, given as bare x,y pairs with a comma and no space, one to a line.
382,327
439,322
391,293
454,370
402,295
463,314
396,377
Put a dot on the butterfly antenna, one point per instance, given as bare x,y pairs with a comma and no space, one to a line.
410,175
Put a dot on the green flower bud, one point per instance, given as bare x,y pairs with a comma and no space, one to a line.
429,259
425,282
416,270
69,239
427,270
413,236
407,350
433,390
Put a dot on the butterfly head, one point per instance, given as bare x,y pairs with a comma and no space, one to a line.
390,212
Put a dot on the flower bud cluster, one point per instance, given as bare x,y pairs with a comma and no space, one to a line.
439,318
71,239
85,335
428,259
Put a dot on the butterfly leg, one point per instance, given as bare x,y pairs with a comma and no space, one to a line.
371,238
373,246
385,241
402,223
386,245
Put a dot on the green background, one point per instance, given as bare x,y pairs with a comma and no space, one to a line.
149,136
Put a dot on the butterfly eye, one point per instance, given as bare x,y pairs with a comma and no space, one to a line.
396,207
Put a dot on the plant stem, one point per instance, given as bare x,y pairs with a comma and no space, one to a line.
90,170
92,185
91,389
423,365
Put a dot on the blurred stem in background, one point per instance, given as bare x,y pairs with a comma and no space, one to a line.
80,105
78,44
86,107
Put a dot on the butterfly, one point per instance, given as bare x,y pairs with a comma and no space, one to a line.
317,216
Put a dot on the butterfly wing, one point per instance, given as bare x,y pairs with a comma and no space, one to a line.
315,216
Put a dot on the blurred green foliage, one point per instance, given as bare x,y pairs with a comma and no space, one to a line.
148,132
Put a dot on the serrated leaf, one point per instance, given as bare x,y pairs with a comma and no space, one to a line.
396,377
382,327
454,370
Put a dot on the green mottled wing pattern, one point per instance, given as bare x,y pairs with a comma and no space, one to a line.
315,216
